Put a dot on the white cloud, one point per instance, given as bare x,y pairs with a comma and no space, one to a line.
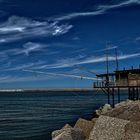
17,28
5,66
30,47
11,29
65,63
137,39
25,66
4,78
108,48
8,57
25,49
15,79
111,58
101,9
76,38
3,56
81,14
121,4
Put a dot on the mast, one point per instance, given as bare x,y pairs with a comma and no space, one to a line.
117,62
107,77
107,66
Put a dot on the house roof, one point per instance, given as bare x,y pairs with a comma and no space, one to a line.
119,71
105,74
128,71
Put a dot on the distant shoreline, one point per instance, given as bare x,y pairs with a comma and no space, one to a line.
51,90
47,90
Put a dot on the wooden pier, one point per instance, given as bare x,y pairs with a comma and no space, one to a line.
112,84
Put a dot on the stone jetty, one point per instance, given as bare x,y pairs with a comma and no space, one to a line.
119,123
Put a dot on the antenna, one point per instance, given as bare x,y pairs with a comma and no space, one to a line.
117,62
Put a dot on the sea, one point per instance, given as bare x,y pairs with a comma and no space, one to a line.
33,116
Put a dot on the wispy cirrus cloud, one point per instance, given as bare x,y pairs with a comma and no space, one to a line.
121,4
9,66
15,79
30,47
137,39
13,59
81,14
25,66
17,28
111,58
4,77
107,49
25,49
8,56
100,9
60,64
70,62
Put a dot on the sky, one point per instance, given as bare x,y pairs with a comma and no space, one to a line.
67,37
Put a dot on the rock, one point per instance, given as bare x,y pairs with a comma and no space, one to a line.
66,126
94,120
120,123
132,136
133,127
132,131
58,132
70,134
124,103
103,109
128,103
108,128
63,136
138,103
85,126
127,112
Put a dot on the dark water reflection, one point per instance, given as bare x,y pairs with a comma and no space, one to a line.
34,116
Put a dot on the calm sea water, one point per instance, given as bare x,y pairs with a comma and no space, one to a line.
33,116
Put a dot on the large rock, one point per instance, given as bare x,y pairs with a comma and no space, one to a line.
133,126
70,134
85,126
132,131
132,136
66,126
94,120
138,103
127,112
104,109
58,132
108,128
125,103
128,103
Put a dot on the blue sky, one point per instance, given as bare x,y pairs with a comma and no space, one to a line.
54,36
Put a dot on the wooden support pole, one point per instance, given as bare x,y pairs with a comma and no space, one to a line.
113,99
118,95
137,93
133,94
108,92
129,93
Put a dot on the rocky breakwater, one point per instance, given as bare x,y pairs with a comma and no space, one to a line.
119,123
